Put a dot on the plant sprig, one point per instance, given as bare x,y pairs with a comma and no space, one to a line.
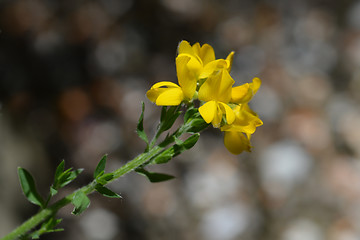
45,220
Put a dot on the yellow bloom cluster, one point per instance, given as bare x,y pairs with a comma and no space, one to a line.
207,79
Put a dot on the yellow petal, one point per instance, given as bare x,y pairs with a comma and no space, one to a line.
245,121
249,128
229,113
229,60
208,110
239,93
247,109
165,84
255,85
153,94
184,47
207,54
224,91
211,67
217,87
196,48
195,66
208,90
170,97
186,78
216,122
159,92
245,92
236,142
159,88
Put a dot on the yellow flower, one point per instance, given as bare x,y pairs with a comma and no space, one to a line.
192,64
246,120
202,62
165,94
170,94
237,142
237,135
245,92
201,75
216,92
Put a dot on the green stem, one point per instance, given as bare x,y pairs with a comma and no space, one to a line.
51,210
29,224
159,129
141,159
138,161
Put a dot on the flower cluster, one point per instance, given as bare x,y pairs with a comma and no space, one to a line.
201,76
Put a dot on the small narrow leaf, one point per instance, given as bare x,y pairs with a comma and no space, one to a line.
163,157
170,118
100,168
175,150
59,170
106,192
59,180
140,127
191,141
81,202
168,139
47,227
190,113
196,124
154,177
28,186
163,113
104,179
58,173
53,191
67,177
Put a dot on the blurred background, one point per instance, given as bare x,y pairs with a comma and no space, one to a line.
73,74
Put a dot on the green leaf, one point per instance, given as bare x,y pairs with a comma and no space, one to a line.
196,124
163,157
140,126
100,168
154,177
51,224
106,192
67,177
168,117
163,113
170,121
28,186
190,113
168,139
191,141
175,150
47,227
104,179
81,202
60,178
53,191
59,170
